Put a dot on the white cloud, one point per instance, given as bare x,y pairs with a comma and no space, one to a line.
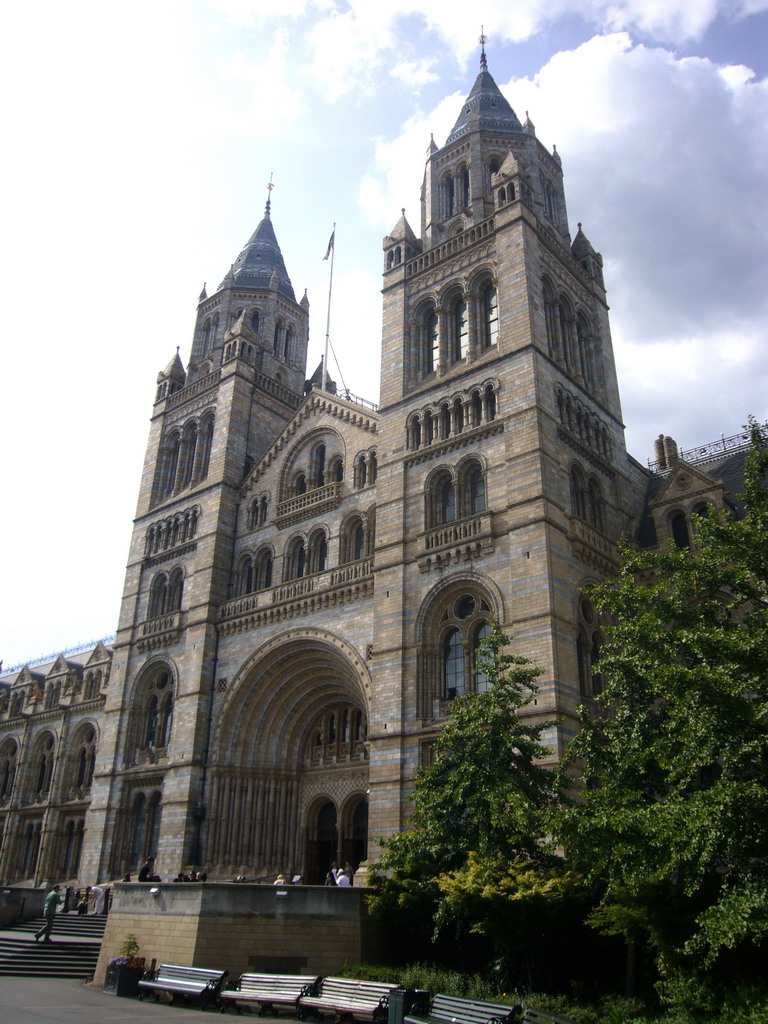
414,73
351,40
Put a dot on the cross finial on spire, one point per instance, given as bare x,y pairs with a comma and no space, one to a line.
270,186
483,40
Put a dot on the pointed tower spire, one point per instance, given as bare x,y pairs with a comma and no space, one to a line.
260,264
486,108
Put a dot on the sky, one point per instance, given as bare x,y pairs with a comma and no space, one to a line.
139,140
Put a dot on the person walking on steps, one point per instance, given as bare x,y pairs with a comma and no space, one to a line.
52,901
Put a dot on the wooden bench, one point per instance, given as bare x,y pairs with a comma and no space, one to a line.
195,982
268,990
347,997
455,1010
532,1016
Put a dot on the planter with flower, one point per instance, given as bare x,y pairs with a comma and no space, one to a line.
125,970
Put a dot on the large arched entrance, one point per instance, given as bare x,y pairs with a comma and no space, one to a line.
289,753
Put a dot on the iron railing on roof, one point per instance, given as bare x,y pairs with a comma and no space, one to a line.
41,659
706,452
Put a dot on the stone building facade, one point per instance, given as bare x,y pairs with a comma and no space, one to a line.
309,575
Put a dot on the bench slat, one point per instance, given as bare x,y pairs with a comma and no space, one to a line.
187,981
455,1010
349,996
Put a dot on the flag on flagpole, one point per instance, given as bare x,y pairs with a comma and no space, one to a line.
331,240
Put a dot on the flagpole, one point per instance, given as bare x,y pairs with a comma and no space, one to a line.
332,252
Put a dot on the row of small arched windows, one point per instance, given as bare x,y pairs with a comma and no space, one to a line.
50,693
78,767
176,529
305,556
451,417
582,423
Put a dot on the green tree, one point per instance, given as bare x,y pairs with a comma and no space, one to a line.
672,814
485,792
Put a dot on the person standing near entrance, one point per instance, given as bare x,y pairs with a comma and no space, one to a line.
52,901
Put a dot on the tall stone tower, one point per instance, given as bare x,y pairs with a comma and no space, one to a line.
209,426
503,477
310,577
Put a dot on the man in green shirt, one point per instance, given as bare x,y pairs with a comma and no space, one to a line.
52,901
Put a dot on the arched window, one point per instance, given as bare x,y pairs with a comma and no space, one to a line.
578,494
263,563
245,579
459,334
588,647
361,470
414,432
8,770
596,508
295,560
86,759
476,491
551,320
430,346
44,766
318,465
169,464
447,502
358,542
336,469
584,347
490,308
429,427
458,415
566,324
300,484
206,337
156,711
187,455
490,403
453,664
480,678
448,195
175,590
255,321
680,534
317,556
204,446
74,834
550,201
158,593
153,714
278,337
353,540
464,187
288,343
32,835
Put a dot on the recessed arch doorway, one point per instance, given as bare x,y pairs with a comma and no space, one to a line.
289,754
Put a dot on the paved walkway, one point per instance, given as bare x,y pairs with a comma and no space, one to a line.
68,1001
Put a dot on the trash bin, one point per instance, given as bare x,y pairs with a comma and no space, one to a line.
403,1001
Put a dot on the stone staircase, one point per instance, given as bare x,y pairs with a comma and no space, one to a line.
71,953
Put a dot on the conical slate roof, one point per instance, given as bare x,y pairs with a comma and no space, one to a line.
485,109
260,260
